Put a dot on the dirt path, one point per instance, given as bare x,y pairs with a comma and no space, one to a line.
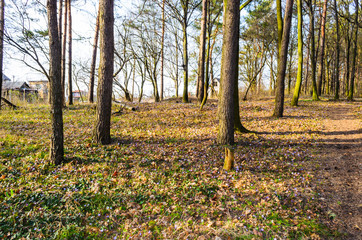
340,158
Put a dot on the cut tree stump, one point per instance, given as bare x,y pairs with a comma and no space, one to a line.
229,159
9,103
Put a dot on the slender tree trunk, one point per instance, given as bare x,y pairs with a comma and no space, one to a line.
271,84
57,147
141,91
306,77
211,67
208,50
282,62
134,76
290,65
2,23
201,67
354,56
206,78
70,87
143,76
229,71
347,68
64,47
298,84
155,88
312,52
326,82
336,89
176,53
104,96
322,46
94,60
162,48
185,96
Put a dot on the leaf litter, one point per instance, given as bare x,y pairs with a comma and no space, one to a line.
162,176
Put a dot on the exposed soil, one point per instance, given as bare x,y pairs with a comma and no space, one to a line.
340,150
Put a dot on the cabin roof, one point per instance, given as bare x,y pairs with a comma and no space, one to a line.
16,86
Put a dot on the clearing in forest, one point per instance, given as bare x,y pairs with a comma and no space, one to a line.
162,176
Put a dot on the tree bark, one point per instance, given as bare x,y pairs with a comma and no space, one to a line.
354,56
176,74
162,48
57,138
60,21
229,71
312,51
2,23
280,25
63,49
185,95
206,77
201,67
282,61
347,67
298,84
336,78
104,92
70,87
322,46
94,60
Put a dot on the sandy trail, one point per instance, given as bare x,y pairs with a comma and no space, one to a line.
340,157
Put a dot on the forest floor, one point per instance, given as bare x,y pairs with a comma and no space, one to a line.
298,177
340,159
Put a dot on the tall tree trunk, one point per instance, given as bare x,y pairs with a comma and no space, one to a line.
354,56
104,93
229,71
347,68
63,48
60,20
2,23
134,76
176,53
290,65
312,51
271,84
143,76
155,87
306,75
211,67
206,79
280,25
282,61
326,82
94,60
322,46
162,48
201,67
185,95
70,87
336,89
57,138
298,84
